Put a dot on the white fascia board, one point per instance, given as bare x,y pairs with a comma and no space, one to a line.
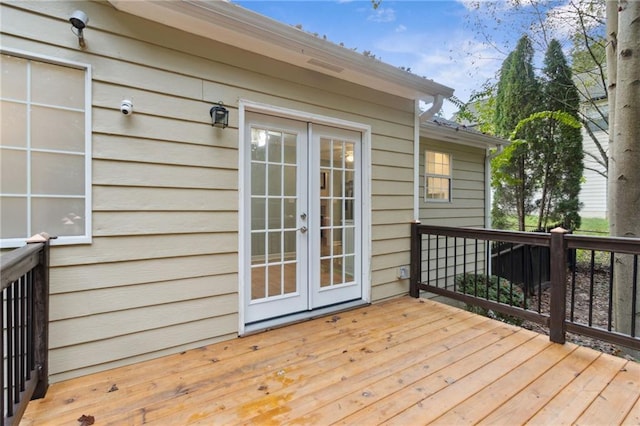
442,133
231,24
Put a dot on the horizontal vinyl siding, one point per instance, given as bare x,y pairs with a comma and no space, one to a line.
593,191
137,247
467,206
161,275
392,211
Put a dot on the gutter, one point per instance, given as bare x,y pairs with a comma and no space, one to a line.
433,109
416,161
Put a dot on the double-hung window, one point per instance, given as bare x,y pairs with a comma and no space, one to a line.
45,149
437,176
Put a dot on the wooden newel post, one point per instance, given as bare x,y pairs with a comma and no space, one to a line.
416,256
558,302
41,315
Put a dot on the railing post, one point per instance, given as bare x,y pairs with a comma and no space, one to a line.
558,272
41,316
416,260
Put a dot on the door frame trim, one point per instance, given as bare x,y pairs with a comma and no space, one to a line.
258,107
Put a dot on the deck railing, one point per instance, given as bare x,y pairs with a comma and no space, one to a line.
477,267
25,314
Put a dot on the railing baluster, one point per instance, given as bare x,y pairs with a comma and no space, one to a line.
446,261
30,334
429,258
475,264
455,261
24,372
464,257
489,275
438,260
591,283
610,309
3,366
540,256
16,344
573,294
9,321
511,273
634,297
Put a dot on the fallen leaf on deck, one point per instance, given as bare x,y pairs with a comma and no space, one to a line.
86,420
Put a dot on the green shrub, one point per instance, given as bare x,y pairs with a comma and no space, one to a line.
486,287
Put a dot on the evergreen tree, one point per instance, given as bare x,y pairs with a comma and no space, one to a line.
517,97
559,164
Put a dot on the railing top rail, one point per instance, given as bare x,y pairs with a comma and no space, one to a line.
17,262
615,244
517,237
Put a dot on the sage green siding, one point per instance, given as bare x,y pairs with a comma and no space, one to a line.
161,275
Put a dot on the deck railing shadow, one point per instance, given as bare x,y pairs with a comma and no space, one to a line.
507,272
25,317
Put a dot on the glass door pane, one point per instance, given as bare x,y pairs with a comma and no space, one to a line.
273,213
337,248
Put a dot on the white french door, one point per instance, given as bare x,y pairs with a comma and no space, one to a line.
302,227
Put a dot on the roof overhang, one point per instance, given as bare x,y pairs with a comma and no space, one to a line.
459,135
231,24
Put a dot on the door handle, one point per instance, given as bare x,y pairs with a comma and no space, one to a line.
303,229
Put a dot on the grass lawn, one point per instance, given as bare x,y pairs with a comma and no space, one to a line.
589,226
593,226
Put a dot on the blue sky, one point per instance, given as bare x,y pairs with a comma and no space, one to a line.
430,37
437,39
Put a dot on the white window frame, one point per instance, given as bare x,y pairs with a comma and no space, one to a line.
75,239
428,175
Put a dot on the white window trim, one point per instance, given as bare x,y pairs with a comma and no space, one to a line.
428,175
87,237
248,105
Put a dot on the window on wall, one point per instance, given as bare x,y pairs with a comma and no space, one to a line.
437,176
44,150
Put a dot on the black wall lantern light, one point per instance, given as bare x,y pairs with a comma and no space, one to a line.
219,116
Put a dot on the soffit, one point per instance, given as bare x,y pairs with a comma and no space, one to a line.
231,24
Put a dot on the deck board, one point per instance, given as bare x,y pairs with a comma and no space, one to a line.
574,398
615,402
403,361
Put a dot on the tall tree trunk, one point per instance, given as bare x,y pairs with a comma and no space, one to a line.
543,198
612,72
625,182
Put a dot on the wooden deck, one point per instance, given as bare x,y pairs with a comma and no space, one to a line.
404,362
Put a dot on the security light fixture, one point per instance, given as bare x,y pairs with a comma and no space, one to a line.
79,21
219,116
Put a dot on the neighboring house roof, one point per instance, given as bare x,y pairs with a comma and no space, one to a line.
231,24
446,130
